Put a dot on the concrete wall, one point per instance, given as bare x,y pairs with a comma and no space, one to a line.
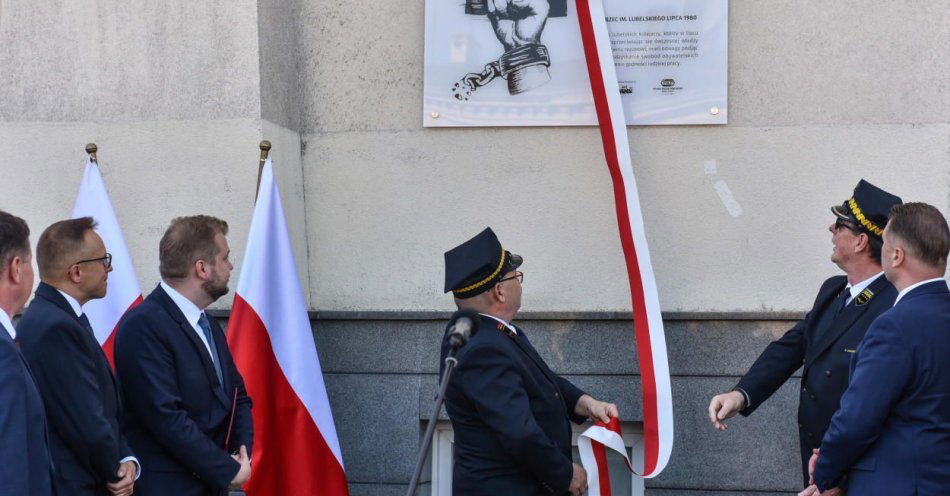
381,376
821,95
177,98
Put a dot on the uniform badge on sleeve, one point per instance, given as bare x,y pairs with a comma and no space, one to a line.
864,297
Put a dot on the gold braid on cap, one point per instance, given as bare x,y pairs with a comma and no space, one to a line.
858,214
485,280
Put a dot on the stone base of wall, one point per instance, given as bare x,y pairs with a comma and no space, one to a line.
381,372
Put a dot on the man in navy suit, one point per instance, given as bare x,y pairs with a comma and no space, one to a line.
83,403
891,435
25,466
189,414
823,342
510,412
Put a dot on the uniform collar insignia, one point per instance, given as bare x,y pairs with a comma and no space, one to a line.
864,297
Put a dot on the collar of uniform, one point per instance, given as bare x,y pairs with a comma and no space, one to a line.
7,324
509,326
861,286
73,302
191,311
910,288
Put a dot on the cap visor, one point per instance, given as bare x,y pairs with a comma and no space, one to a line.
841,213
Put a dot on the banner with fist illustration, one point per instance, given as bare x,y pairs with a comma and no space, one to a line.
521,62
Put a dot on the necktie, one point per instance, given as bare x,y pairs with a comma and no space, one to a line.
205,326
842,300
86,324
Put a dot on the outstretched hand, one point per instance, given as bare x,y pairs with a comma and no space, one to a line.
725,406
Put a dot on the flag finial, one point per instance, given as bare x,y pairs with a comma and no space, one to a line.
265,149
91,149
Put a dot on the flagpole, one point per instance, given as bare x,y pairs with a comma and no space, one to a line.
91,149
265,149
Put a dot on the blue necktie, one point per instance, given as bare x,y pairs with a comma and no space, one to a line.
842,300
206,329
84,321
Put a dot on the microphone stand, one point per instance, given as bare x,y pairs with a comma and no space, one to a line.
450,363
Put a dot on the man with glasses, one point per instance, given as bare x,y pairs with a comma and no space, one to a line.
83,401
510,412
825,340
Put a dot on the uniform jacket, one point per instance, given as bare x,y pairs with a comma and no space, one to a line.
25,466
178,412
892,433
510,415
82,399
823,343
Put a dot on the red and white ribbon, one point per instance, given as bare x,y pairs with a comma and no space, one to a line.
592,445
647,321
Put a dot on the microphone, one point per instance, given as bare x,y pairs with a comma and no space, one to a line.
462,326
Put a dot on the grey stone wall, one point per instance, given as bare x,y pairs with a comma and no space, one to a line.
381,375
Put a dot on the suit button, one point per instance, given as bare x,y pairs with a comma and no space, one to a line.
813,398
810,435
827,373
804,389
799,426
557,395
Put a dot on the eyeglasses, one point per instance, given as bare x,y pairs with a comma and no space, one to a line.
518,275
839,223
106,260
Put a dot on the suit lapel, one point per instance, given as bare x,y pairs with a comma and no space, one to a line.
840,324
522,341
192,335
52,295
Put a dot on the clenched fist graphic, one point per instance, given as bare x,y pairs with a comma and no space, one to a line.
517,25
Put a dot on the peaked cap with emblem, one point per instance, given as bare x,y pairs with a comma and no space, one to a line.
476,265
868,208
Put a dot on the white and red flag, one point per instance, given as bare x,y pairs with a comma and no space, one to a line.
647,320
296,450
124,291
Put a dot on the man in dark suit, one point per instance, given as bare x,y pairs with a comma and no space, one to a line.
510,413
25,466
891,435
189,414
824,341
82,400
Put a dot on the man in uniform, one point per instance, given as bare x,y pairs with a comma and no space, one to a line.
892,433
826,338
510,413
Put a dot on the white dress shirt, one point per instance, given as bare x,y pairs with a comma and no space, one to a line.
506,324
74,303
191,312
910,288
7,324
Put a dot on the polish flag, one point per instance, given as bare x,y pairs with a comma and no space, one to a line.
124,291
296,450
